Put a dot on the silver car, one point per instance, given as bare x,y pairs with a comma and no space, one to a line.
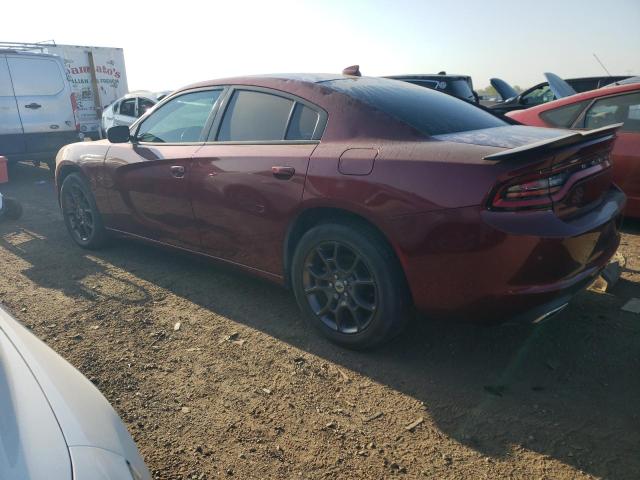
54,424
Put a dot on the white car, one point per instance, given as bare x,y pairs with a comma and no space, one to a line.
54,424
129,108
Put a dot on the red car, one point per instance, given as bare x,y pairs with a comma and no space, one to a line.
366,196
595,109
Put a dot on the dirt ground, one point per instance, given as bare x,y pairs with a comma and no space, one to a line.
243,389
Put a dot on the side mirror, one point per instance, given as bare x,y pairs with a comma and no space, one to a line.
118,134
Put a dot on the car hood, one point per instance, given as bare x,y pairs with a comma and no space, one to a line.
84,416
31,442
510,136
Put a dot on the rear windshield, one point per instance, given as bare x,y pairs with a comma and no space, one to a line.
428,111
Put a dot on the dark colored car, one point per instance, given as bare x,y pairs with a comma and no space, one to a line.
595,109
460,86
365,195
541,93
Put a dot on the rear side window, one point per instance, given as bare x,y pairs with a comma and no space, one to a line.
303,123
619,109
428,111
180,120
255,116
35,76
563,116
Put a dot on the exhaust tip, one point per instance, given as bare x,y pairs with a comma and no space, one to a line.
547,315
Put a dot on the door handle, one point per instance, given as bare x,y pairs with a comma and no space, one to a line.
283,173
33,105
177,171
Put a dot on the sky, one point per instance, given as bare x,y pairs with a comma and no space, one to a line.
168,45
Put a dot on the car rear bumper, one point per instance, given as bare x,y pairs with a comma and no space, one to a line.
494,266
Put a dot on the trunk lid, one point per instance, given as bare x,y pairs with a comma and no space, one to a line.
568,171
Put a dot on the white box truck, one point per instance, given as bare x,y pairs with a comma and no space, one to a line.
98,78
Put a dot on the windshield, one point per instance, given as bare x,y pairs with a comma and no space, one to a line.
428,111
460,88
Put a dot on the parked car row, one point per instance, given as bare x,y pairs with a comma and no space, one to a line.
542,92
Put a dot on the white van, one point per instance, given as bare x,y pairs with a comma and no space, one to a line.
37,108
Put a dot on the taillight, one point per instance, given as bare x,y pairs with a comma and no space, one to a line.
540,190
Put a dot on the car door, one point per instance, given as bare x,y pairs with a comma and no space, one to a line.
108,116
148,177
249,177
43,97
126,114
623,108
11,133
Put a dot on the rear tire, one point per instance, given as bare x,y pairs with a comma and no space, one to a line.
349,285
81,215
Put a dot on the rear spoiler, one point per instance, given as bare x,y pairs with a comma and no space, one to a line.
571,138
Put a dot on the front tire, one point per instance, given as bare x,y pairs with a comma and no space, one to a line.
350,285
81,215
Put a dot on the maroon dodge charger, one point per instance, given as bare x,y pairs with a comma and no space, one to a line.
366,196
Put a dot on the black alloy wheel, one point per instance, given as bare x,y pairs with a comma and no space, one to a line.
80,212
349,284
77,209
340,288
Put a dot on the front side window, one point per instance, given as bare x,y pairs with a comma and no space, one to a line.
619,109
144,104
180,120
35,76
255,116
128,107
564,116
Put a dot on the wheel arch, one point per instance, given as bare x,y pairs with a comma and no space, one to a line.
317,215
63,171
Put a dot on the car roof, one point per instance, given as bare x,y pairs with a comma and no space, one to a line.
269,80
588,95
427,76
142,93
10,51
